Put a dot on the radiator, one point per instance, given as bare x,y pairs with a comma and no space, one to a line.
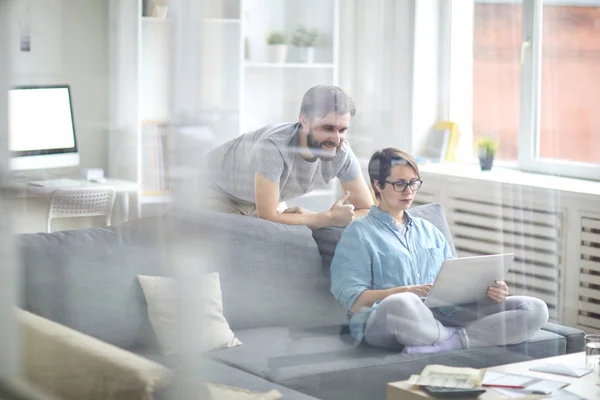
588,315
534,234
424,197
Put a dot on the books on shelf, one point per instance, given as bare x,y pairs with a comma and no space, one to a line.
155,158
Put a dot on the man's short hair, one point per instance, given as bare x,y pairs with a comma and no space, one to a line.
381,163
321,100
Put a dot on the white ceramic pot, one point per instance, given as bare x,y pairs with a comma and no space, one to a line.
310,55
277,53
306,54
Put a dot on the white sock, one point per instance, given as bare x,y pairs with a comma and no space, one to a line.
454,341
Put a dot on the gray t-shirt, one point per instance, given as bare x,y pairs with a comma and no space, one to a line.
273,152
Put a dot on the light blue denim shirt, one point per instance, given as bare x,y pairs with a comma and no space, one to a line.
373,254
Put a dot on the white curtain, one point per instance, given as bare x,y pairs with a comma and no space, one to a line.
375,67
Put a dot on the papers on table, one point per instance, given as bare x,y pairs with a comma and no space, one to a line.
562,369
451,377
500,379
511,393
511,386
523,384
520,394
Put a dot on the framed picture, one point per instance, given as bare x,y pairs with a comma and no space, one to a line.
442,141
454,135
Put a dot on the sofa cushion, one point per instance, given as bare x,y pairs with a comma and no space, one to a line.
216,372
271,274
327,365
162,296
87,279
575,338
67,364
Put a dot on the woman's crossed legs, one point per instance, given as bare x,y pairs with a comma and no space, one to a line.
403,320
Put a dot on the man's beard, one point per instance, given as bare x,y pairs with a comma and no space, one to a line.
317,147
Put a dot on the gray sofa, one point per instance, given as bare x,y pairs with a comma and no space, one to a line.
275,284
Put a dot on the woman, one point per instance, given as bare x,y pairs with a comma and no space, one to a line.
386,261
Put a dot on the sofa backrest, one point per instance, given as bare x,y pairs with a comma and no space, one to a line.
87,279
435,214
271,274
277,275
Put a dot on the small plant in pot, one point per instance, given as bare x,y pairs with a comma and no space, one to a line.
277,42
306,40
486,149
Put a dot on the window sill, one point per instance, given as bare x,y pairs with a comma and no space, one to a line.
513,176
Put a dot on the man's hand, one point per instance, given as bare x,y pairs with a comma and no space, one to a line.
498,294
360,196
341,214
267,200
298,210
419,290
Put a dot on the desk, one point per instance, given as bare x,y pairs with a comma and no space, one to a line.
127,192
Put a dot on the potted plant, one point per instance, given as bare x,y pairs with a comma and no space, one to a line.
305,40
486,149
277,43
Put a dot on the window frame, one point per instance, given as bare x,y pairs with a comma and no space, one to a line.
460,93
531,96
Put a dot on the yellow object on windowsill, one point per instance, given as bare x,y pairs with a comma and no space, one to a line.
453,140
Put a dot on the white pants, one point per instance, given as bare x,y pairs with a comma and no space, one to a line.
402,319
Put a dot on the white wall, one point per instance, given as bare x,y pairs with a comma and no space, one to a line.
83,64
391,62
426,99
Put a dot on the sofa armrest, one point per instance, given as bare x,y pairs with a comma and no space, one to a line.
71,365
574,337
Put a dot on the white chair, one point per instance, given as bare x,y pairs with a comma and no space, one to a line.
82,202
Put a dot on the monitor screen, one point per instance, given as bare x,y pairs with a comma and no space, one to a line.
41,131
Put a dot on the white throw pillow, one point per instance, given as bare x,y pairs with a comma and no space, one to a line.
216,391
160,293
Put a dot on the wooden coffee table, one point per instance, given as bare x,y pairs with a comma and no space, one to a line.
586,386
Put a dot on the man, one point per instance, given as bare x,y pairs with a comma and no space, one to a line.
253,173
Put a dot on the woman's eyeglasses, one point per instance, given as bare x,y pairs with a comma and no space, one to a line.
400,186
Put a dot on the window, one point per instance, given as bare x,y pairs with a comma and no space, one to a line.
497,74
535,86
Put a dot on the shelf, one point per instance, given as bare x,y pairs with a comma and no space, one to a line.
230,91
156,19
156,199
289,65
222,20
207,20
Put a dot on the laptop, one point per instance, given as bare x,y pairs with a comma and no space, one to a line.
465,280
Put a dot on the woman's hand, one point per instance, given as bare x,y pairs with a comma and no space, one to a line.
369,297
498,294
419,290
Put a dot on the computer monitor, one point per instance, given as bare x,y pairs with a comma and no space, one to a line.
41,130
